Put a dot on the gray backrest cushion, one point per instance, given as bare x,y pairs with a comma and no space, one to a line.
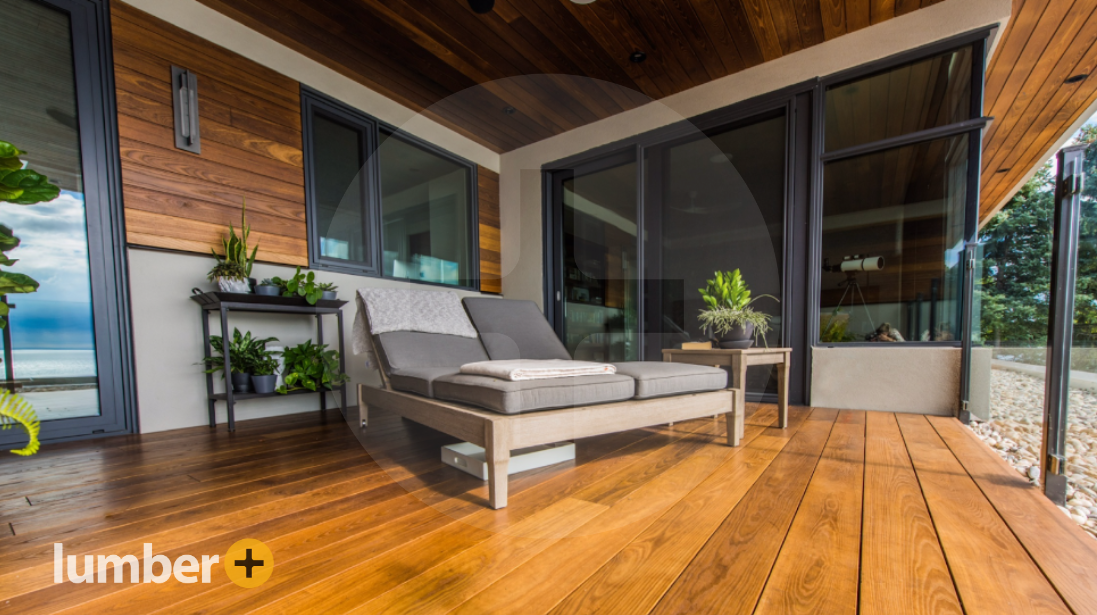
409,349
514,329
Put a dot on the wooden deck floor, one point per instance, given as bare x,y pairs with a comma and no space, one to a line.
842,512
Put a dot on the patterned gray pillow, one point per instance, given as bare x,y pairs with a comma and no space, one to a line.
425,311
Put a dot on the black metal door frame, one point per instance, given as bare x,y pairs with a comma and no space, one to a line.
97,120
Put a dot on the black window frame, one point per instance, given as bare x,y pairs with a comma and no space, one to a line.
973,127
313,101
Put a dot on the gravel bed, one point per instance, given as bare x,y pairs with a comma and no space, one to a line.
1013,431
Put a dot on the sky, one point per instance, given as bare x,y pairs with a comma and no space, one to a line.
54,251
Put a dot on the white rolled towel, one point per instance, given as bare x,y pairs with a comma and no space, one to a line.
527,369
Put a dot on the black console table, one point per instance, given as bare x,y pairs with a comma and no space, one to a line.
245,302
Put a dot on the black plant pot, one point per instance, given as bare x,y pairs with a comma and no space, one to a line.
268,290
241,383
741,337
329,295
264,384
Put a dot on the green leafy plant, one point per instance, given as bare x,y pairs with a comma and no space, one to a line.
22,186
728,300
265,364
14,410
327,286
227,269
312,367
245,353
300,285
18,186
235,248
835,329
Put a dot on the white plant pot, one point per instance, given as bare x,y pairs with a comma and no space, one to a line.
231,285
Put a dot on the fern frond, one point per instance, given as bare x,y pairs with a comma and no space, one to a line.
15,410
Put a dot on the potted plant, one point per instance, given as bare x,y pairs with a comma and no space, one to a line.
301,285
230,277
312,367
329,291
264,370
728,313
244,352
232,273
268,288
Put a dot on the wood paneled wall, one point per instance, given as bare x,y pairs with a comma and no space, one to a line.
251,149
491,280
251,144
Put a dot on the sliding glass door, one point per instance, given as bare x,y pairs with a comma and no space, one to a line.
633,239
596,229
716,203
65,343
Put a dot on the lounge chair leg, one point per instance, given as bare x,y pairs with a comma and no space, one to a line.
497,455
363,410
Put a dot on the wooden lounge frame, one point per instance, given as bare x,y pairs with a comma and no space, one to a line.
499,434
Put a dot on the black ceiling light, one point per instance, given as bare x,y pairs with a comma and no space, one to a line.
1004,170
509,110
1077,78
637,57
481,6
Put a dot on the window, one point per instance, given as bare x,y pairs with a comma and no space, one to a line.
895,203
383,203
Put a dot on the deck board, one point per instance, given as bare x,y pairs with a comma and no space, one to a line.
903,570
842,512
992,571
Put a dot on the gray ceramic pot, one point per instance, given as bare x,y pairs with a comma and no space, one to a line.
241,383
264,384
329,295
268,290
741,337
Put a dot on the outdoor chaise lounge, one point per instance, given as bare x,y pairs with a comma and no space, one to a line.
421,339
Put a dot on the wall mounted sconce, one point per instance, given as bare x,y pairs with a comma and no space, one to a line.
184,85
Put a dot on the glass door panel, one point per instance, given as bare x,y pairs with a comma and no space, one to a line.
599,262
1081,423
721,207
49,344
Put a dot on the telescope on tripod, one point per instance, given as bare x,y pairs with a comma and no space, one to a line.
852,265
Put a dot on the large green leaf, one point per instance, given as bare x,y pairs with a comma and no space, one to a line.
13,283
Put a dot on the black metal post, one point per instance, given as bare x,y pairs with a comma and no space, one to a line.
342,366
209,374
230,402
1069,182
320,341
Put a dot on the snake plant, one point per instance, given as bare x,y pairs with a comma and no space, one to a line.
14,410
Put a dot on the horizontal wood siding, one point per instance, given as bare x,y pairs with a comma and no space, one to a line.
251,144
251,149
490,262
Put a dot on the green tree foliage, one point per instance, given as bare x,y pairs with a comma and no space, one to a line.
1015,286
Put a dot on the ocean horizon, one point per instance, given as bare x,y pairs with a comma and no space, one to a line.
53,363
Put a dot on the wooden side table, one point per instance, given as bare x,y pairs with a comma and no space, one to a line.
738,361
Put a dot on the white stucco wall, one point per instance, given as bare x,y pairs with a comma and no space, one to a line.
898,379
167,333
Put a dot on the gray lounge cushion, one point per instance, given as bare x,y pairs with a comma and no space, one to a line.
655,379
514,329
507,397
419,380
411,349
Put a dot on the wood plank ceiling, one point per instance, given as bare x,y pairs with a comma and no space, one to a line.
1030,93
421,52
